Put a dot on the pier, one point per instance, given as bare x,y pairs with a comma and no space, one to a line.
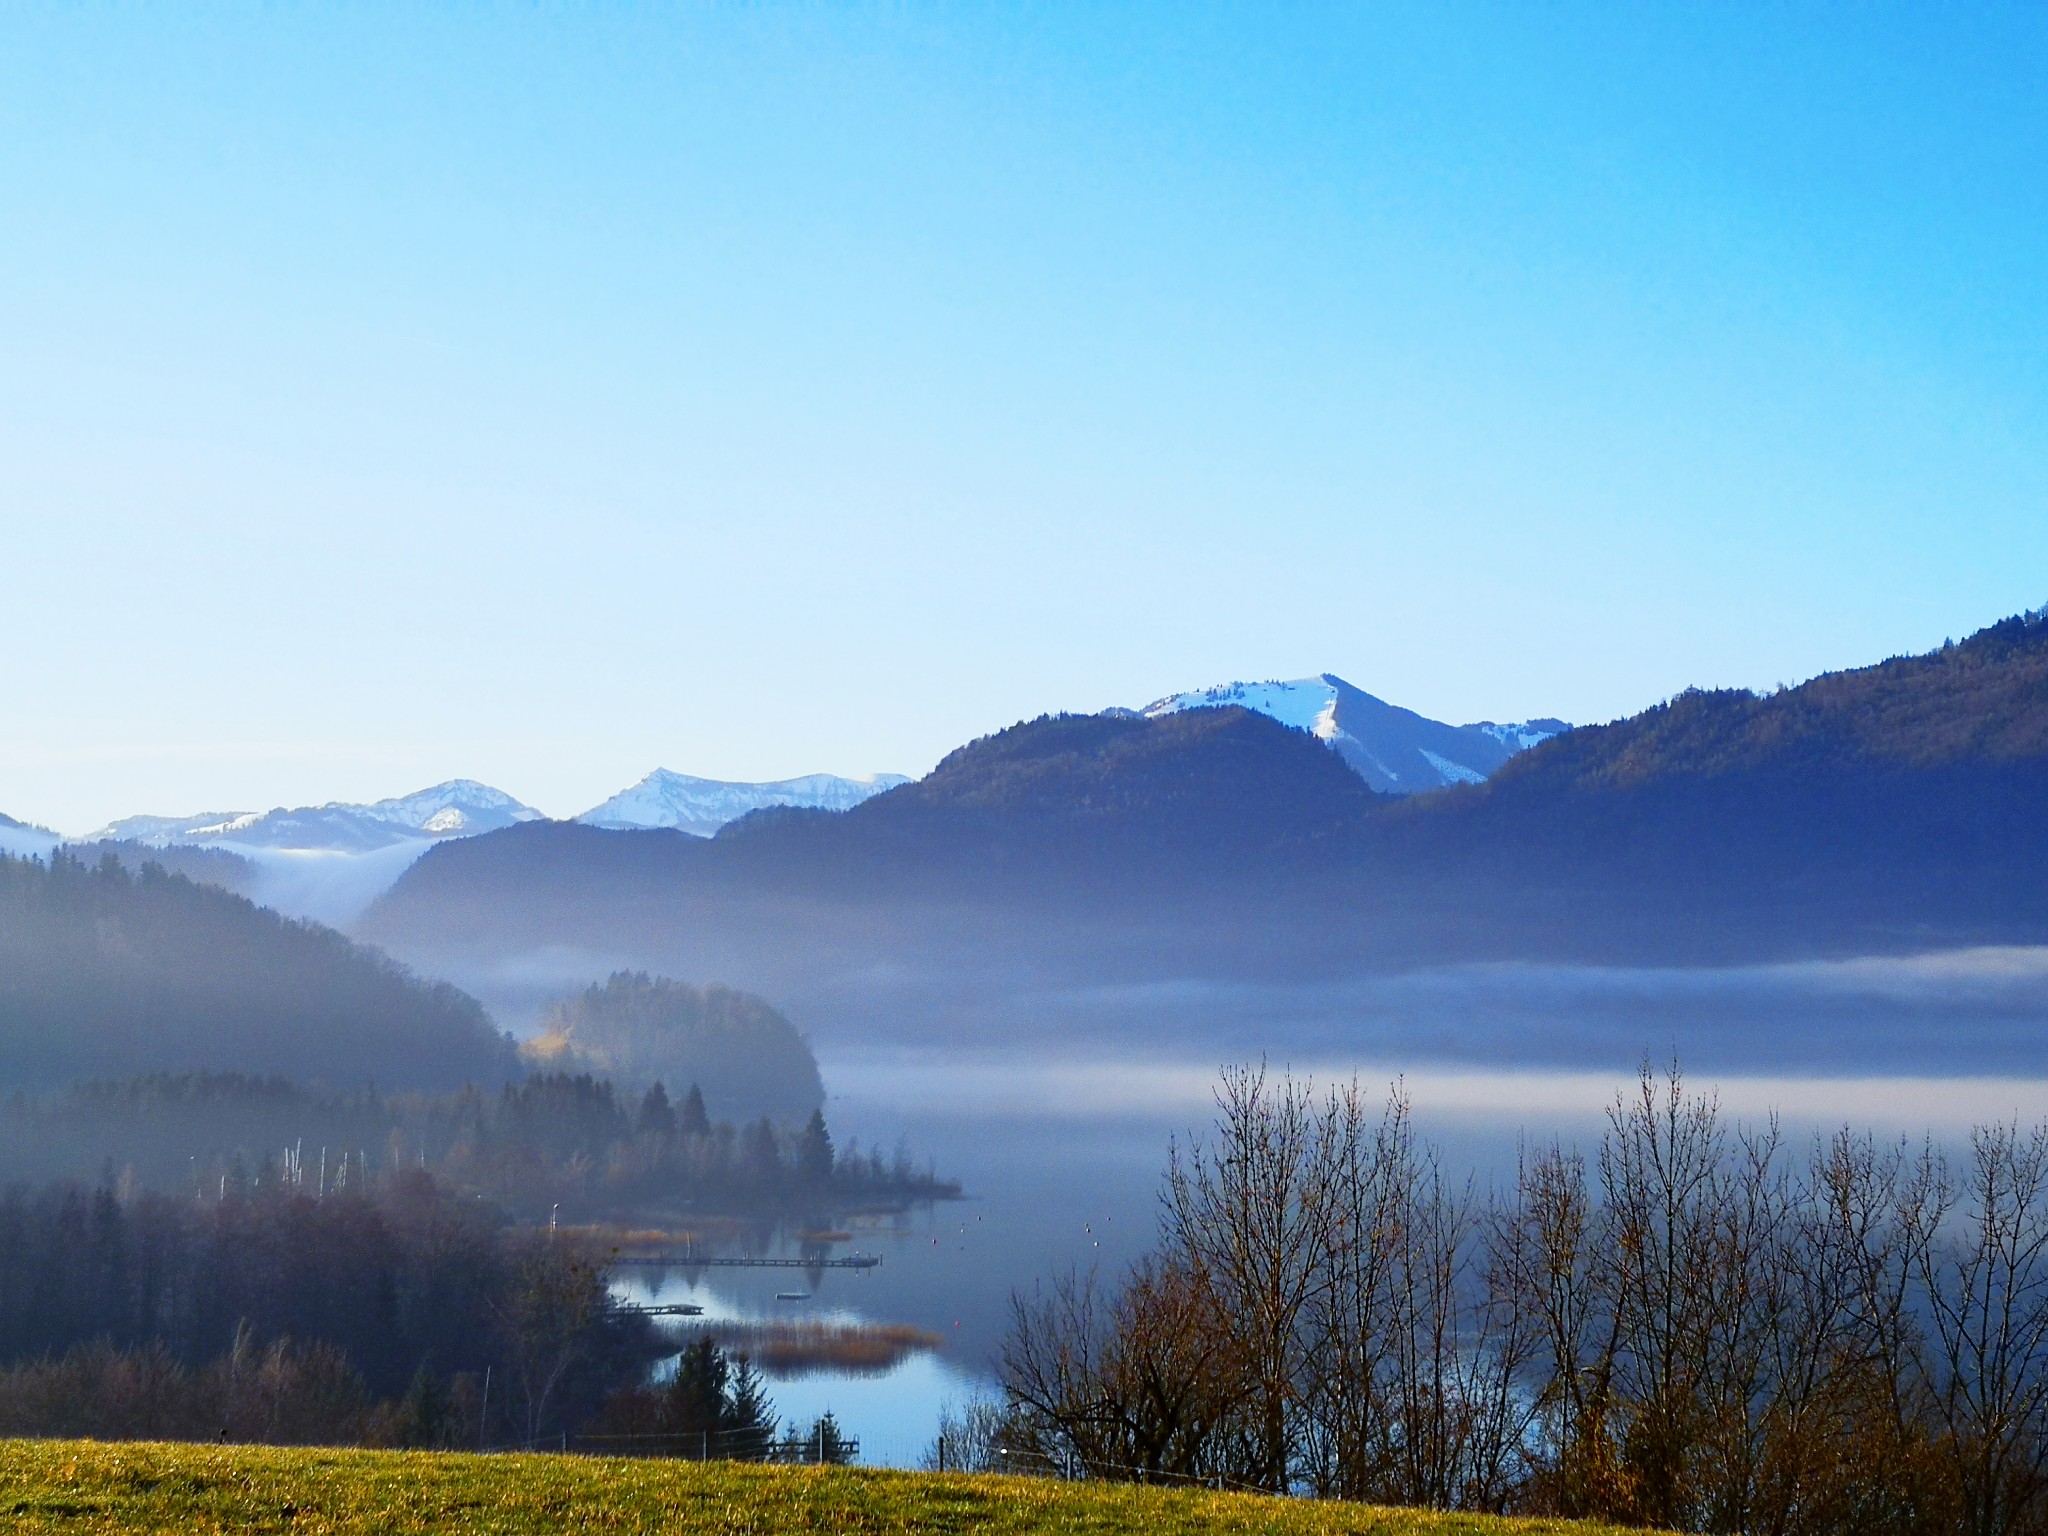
664,1309
696,1261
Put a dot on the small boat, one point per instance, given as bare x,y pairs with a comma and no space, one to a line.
792,1295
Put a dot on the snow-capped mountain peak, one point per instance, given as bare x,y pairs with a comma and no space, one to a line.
1308,703
1395,750
702,806
458,808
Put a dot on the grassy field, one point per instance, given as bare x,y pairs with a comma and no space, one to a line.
88,1486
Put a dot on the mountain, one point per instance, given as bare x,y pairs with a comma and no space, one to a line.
1887,809
458,808
1056,838
106,973
702,806
324,862
1395,750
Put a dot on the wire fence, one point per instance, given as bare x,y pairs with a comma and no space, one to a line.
1028,1463
812,1449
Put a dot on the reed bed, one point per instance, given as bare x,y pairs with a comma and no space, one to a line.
802,1348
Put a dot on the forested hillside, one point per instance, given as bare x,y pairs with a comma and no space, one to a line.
1981,702
1898,806
639,1030
107,972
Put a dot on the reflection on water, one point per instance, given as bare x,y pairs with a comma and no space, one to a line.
1062,1160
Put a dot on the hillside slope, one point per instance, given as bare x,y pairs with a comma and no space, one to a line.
1981,702
108,973
1897,807
84,1485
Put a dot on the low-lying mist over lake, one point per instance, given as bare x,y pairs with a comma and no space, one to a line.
1975,1011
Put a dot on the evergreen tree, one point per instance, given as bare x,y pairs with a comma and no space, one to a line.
832,1447
694,1121
814,1152
657,1116
749,1416
426,1417
695,1401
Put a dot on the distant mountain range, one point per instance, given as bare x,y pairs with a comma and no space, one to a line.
465,808
1889,808
1395,750
458,808
330,861
702,806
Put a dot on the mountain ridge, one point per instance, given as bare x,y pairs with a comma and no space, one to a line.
1219,831
453,808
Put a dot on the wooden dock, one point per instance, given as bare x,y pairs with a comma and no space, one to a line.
688,1260
662,1309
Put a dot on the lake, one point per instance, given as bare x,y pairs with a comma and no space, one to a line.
1061,1163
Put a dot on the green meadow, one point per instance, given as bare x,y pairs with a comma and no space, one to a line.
78,1487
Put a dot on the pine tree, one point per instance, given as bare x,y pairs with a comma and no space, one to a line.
749,1416
657,1117
693,1121
827,1443
814,1152
426,1417
695,1403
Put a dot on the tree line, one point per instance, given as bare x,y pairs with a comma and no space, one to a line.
395,1313
1699,1326
555,1140
305,1317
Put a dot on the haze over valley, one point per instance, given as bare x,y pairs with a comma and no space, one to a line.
1293,753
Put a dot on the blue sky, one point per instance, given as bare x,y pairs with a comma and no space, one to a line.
540,395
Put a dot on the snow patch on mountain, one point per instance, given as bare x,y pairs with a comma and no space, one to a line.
1395,750
1453,773
1524,735
1308,704
702,806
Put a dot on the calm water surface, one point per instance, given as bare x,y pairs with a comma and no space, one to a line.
1061,1163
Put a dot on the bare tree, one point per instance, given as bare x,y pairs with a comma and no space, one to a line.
1351,1440
1987,1292
1248,1214
1698,1329
548,1321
